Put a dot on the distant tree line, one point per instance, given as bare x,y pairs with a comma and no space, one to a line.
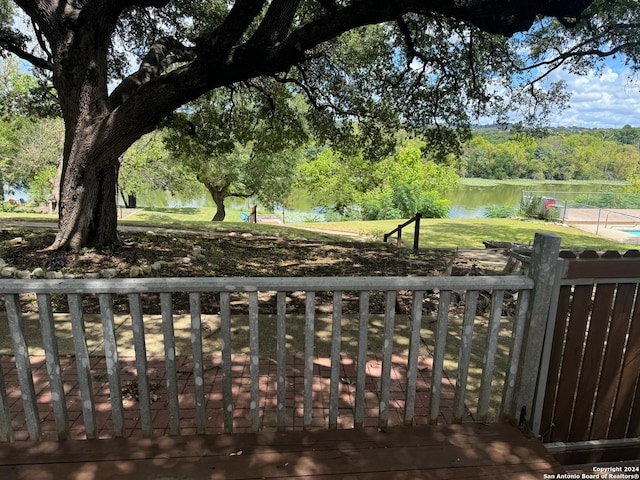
561,154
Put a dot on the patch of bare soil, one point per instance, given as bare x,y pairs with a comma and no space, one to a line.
226,254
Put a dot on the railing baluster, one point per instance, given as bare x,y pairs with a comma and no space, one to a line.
464,358
309,339
361,376
508,410
438,355
385,380
111,358
170,363
414,350
336,340
83,365
254,366
225,333
490,355
198,362
139,343
6,430
281,358
50,345
23,366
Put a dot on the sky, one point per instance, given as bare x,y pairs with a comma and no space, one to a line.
605,101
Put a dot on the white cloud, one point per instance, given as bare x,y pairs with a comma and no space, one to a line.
609,100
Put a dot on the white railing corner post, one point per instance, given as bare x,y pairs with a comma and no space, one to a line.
546,249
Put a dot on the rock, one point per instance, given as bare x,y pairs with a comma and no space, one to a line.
151,233
157,266
197,250
135,271
23,274
247,235
92,275
2,263
186,260
57,275
109,273
8,271
15,241
146,269
38,273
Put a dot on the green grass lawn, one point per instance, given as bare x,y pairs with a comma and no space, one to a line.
470,232
434,233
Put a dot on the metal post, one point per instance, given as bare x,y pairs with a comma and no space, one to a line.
416,232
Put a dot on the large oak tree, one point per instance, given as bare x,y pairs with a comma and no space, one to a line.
196,46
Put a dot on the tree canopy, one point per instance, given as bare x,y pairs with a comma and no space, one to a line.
430,65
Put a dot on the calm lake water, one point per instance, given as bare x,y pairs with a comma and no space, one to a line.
468,200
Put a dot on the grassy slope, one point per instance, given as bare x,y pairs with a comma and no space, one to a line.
435,233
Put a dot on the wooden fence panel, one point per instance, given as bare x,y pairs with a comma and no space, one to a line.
555,362
629,378
610,376
572,356
594,372
592,361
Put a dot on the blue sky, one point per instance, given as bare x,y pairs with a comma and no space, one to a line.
608,100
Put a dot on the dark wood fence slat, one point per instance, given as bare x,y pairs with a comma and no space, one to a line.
592,360
628,379
555,361
571,360
612,359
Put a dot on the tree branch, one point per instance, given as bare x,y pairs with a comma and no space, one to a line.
276,23
14,42
161,56
220,41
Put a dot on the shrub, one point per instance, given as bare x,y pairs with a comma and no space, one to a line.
498,211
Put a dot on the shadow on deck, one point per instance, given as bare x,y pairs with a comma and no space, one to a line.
469,450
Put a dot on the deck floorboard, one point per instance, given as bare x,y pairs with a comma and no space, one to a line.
468,450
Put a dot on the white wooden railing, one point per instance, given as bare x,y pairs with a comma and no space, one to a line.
75,290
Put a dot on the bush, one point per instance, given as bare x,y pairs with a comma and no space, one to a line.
498,211
403,201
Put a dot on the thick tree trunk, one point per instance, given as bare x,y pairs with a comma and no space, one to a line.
88,213
218,196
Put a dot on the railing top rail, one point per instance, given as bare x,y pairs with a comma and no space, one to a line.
400,227
248,284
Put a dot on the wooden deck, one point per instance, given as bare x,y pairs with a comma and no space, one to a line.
469,451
